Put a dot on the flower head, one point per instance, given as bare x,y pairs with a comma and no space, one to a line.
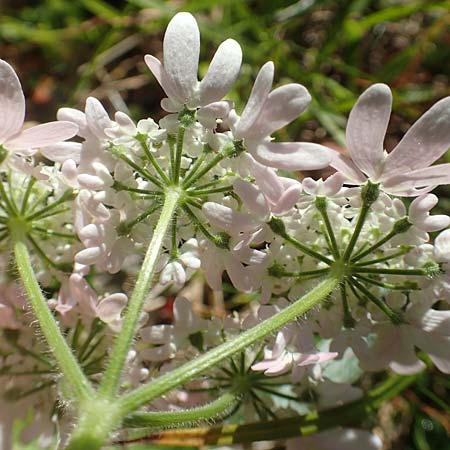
405,170
12,115
178,73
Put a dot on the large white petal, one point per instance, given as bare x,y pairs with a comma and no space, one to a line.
346,167
292,155
282,106
154,64
42,135
366,128
110,308
97,118
63,151
252,197
260,91
426,141
12,102
181,53
222,72
428,176
75,116
228,219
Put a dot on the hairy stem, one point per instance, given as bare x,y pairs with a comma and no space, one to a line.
111,380
65,359
161,419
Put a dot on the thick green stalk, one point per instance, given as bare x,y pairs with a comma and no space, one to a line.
111,379
141,396
65,359
170,419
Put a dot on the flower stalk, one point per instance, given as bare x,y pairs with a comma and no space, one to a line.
111,379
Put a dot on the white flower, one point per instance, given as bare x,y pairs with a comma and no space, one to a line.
294,349
267,112
404,171
178,74
12,115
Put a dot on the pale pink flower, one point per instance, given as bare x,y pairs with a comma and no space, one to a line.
178,73
426,329
12,116
419,214
293,350
268,111
405,170
80,295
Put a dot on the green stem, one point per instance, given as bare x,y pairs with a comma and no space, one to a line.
369,194
226,152
393,316
321,204
401,252
375,270
9,206
277,226
178,154
196,166
217,409
73,374
399,227
111,379
142,138
132,401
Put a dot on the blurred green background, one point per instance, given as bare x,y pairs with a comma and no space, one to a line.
66,50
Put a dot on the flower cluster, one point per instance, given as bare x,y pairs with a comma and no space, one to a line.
240,214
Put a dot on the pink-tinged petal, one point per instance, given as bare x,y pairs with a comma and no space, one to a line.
292,155
282,106
227,219
75,116
429,176
12,102
213,268
252,197
181,53
268,181
89,256
241,277
260,91
442,246
366,128
272,367
97,118
125,122
436,346
419,214
208,115
222,72
110,308
287,200
85,295
62,152
42,135
346,167
426,141
154,64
